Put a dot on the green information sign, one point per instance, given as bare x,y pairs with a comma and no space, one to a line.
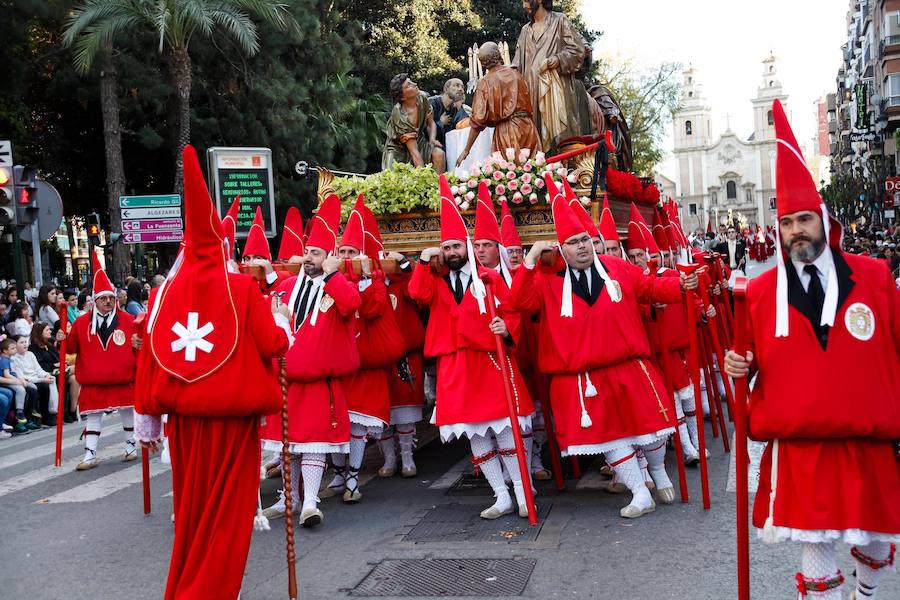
149,201
244,172
862,102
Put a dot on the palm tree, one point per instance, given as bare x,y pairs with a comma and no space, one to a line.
176,23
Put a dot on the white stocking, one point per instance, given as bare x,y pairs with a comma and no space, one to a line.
357,449
484,454
386,444
689,406
406,434
870,562
624,463
312,468
507,449
818,565
92,423
655,453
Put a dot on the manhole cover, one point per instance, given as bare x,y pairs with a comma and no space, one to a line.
463,523
447,577
470,484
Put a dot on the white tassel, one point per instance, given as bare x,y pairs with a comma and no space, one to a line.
589,390
612,286
769,531
586,421
260,522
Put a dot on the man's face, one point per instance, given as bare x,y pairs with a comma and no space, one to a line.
613,248
722,230
599,248
312,261
487,252
455,89
732,234
516,255
638,257
347,252
802,235
665,258
105,303
530,6
251,257
22,345
578,251
13,297
410,89
454,253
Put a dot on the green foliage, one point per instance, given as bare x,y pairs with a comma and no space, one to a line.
841,197
401,188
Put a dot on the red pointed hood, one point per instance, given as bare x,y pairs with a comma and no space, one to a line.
102,285
372,242
607,227
452,225
639,235
709,228
564,219
324,228
257,244
193,322
229,224
486,227
509,235
659,230
580,211
353,231
291,235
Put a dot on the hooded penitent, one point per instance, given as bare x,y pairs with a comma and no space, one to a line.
453,228
487,228
229,225
607,227
291,235
101,286
639,235
257,244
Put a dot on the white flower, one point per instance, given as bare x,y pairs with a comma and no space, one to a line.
464,206
470,195
571,177
510,154
454,190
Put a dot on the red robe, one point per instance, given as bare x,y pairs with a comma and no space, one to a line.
470,386
106,374
318,360
606,340
215,495
406,313
833,411
668,328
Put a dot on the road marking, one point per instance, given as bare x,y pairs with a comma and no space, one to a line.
43,474
106,485
46,450
69,430
450,477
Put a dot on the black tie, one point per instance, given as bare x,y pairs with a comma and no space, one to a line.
815,292
104,329
458,289
302,309
581,285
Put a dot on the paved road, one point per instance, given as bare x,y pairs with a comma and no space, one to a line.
84,535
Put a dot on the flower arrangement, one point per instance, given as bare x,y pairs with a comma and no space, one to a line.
402,188
516,179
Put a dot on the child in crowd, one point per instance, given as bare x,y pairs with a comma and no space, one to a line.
9,379
27,367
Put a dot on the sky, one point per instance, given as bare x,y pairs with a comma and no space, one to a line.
726,41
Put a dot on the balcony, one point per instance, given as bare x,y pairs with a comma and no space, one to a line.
832,127
890,44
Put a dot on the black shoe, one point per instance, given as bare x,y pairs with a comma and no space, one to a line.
51,421
69,417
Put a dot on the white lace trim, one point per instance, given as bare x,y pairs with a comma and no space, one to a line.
315,447
854,537
366,420
637,440
104,410
460,430
401,415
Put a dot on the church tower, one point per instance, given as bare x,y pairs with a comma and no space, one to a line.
769,89
692,121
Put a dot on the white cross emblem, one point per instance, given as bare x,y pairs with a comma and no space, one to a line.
190,338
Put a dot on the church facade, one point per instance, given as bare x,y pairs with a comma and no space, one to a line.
726,178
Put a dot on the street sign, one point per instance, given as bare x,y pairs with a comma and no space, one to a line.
149,201
863,136
49,213
152,237
164,212
152,225
5,153
244,172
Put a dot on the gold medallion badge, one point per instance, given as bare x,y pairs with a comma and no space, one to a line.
860,321
119,337
326,303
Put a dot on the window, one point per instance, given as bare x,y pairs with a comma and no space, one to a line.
892,89
891,27
688,128
714,197
690,79
692,210
770,118
771,68
771,203
731,190
690,94
771,83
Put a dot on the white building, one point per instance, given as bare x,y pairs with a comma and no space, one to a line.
726,178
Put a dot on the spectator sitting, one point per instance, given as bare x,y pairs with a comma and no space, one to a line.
85,302
30,293
11,381
6,398
156,281
42,346
19,322
46,304
27,367
121,298
72,300
134,307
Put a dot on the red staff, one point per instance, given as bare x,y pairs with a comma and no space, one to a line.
287,483
511,406
552,444
145,477
63,309
694,361
740,443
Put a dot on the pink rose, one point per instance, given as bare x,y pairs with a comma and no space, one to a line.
533,198
473,183
454,190
510,154
540,158
510,175
464,206
526,188
527,167
501,199
526,177
513,184
458,200
571,177
517,198
585,201
470,196
496,155
561,172
539,183
498,175
500,189
487,170
462,189
524,153
475,172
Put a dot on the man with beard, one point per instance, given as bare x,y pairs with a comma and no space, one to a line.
829,471
448,107
471,399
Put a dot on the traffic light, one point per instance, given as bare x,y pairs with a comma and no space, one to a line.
93,229
25,180
7,196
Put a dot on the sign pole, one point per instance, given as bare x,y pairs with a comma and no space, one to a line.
36,254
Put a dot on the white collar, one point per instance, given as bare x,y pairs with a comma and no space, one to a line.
466,269
821,263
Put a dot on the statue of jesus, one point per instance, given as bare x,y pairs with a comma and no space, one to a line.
548,54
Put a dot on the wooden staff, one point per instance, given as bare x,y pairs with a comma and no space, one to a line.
660,344
552,443
716,413
716,343
511,407
63,309
694,362
145,478
287,485
740,443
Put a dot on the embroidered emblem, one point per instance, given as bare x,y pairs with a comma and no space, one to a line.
860,321
118,337
326,303
393,300
618,295
192,338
